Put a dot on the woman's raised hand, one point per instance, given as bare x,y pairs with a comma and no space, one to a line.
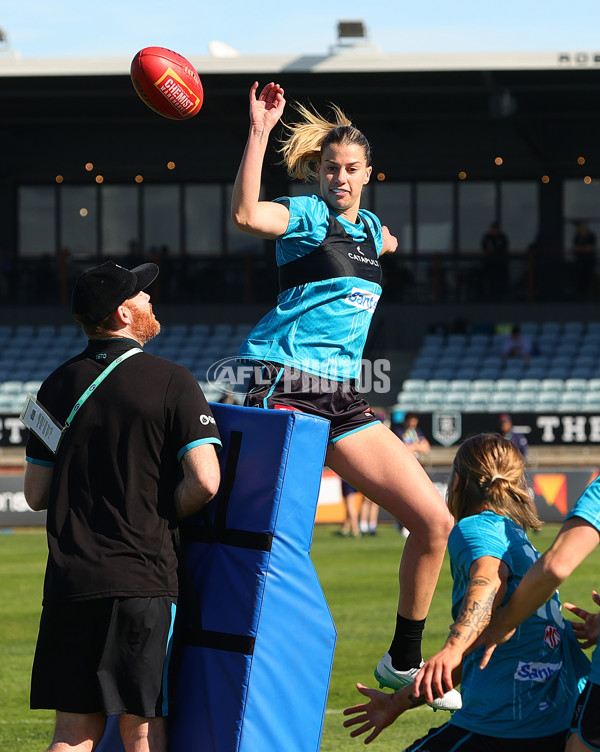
266,108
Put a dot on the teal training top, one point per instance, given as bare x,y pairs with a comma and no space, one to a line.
320,326
530,686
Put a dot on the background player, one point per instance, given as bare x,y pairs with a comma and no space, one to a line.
523,700
578,537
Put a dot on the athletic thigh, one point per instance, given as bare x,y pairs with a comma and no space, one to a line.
378,464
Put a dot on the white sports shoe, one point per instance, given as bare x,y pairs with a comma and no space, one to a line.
388,676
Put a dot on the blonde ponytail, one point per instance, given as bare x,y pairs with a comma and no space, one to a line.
301,148
491,474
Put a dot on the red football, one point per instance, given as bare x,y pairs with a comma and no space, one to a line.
167,82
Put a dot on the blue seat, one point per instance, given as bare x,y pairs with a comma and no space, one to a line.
560,372
414,385
420,372
489,373
584,372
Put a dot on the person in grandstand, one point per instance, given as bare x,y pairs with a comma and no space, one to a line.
310,345
505,428
524,698
351,499
136,453
412,436
577,538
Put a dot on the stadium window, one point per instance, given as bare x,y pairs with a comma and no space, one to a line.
519,210
434,217
37,220
394,209
120,225
161,217
581,201
203,216
302,189
78,232
476,209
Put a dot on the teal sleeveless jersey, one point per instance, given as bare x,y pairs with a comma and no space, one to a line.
320,324
530,685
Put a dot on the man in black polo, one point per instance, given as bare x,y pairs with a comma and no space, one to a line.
137,453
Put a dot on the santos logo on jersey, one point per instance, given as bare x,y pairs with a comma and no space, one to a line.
363,299
539,672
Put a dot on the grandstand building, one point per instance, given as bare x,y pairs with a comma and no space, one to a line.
89,172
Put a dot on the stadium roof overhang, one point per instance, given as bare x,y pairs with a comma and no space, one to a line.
428,116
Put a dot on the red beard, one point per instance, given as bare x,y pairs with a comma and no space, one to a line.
144,325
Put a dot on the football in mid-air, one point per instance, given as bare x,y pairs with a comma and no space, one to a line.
167,82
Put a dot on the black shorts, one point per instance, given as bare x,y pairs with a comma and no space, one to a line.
108,656
450,738
586,718
283,388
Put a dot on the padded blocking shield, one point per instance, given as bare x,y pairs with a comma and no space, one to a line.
255,635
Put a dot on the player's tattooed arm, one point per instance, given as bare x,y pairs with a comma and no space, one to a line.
484,593
485,590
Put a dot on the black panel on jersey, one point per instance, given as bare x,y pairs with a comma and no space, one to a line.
339,255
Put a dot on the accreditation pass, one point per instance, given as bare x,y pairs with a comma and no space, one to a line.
41,423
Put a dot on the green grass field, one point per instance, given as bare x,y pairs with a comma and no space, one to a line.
359,577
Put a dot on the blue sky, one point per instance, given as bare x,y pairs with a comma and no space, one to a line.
81,28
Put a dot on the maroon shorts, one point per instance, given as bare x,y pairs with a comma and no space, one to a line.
280,387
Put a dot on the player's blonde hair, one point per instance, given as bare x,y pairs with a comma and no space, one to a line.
489,472
305,140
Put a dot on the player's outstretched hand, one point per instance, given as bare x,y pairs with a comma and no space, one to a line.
267,108
373,716
435,677
588,631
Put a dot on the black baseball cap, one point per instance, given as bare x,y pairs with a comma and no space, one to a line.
101,290
504,418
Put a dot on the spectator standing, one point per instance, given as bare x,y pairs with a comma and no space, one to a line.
137,453
412,437
369,517
416,442
584,255
505,428
351,499
494,245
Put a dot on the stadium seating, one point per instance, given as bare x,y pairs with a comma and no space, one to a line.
467,372
28,353
462,372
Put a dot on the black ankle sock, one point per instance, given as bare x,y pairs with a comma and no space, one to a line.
405,650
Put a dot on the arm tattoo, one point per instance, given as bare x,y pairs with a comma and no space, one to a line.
476,610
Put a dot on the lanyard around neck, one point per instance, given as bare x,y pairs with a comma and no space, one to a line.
94,385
